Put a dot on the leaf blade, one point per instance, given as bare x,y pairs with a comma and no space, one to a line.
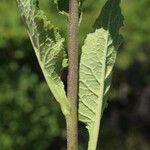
48,46
97,60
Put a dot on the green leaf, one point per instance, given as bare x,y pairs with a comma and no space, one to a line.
96,64
62,6
89,11
48,46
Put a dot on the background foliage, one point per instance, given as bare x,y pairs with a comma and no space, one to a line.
31,119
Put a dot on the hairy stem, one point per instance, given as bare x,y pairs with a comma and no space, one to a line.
72,92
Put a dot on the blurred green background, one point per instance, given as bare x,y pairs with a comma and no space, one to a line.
29,117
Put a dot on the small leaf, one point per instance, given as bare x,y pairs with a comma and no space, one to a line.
48,46
96,64
62,6
89,11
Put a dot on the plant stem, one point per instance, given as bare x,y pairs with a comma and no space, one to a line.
72,91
